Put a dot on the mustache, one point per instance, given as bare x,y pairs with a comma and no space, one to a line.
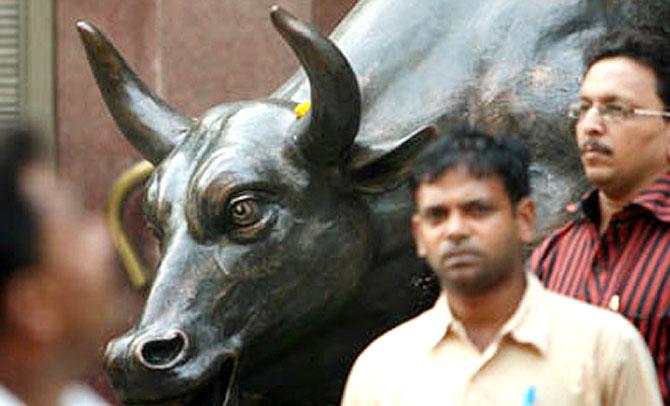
593,145
449,249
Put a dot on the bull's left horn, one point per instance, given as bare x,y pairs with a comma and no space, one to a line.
327,133
153,127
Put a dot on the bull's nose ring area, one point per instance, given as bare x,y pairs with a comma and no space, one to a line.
161,352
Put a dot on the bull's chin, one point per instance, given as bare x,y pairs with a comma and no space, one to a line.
219,390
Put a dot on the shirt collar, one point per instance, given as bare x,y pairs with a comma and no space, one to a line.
527,325
655,199
441,319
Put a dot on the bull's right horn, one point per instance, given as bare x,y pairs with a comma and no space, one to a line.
328,131
153,127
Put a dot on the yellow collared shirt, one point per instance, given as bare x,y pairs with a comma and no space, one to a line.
552,351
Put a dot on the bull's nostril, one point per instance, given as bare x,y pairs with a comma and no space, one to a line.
162,352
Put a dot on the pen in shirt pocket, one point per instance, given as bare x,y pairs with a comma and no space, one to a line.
530,396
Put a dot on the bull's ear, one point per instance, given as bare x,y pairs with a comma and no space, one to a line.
379,172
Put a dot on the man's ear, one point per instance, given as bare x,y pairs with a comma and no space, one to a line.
666,123
525,219
418,239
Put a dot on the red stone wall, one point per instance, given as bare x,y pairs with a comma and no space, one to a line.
327,13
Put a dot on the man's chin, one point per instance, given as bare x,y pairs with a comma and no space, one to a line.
598,175
470,280
459,278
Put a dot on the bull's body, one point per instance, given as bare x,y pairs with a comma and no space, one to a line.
328,263
506,65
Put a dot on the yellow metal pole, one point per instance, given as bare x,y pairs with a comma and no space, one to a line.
128,181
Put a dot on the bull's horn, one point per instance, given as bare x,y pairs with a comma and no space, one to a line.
328,131
153,127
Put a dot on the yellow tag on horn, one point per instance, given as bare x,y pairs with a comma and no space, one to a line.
302,109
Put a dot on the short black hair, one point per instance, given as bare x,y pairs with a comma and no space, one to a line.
482,154
646,45
18,223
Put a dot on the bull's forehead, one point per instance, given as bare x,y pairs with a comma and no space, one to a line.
246,133
244,123
247,144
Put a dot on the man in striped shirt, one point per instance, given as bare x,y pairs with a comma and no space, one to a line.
615,252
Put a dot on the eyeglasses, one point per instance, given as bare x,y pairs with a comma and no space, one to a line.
612,112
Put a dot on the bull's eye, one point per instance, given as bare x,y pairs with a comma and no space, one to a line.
243,211
243,215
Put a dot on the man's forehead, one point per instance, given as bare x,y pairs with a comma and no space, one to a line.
462,183
631,76
463,173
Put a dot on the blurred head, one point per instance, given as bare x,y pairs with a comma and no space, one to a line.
62,292
473,209
623,140
74,266
18,231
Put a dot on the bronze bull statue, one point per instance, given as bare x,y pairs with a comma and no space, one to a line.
285,238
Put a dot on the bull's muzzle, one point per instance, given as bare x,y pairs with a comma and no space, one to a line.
157,367
150,351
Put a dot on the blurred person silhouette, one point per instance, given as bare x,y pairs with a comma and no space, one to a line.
58,292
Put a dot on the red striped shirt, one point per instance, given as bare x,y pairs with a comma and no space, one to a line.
631,261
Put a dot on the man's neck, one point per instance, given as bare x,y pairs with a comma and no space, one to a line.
612,201
484,315
609,206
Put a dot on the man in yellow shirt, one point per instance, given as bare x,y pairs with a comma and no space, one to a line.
495,336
